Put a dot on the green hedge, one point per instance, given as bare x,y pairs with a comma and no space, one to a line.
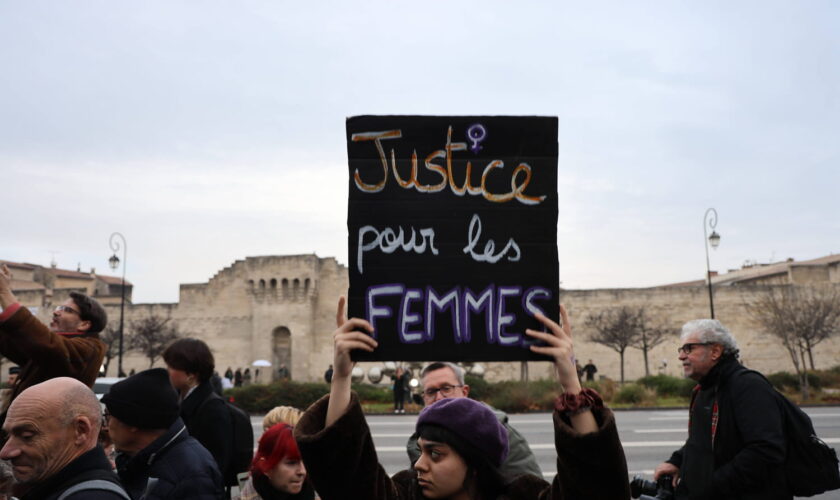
668,386
786,381
262,398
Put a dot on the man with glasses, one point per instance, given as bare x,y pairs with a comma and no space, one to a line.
68,347
446,380
736,445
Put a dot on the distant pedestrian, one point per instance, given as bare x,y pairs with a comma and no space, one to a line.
246,377
237,378
132,372
216,383
229,374
400,379
590,370
283,372
328,374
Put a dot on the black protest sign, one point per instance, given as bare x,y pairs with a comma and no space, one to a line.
452,226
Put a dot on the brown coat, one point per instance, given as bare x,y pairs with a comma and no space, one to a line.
342,464
43,354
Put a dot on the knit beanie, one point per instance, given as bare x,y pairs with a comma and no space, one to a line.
473,422
146,400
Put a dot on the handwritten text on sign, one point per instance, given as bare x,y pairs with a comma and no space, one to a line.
452,229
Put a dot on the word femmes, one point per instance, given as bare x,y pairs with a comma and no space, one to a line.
446,175
417,310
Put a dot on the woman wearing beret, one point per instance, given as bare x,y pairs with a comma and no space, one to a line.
462,443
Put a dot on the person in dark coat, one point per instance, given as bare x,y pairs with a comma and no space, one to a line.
400,380
736,445
237,378
462,442
157,458
190,364
52,429
590,370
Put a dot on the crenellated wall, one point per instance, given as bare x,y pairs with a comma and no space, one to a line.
280,308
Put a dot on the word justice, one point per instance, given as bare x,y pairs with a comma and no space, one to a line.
418,309
519,180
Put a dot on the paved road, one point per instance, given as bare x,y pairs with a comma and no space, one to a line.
648,437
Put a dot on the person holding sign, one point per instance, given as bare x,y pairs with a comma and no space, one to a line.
462,442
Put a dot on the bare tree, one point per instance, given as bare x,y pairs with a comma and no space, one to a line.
616,328
649,335
801,318
151,335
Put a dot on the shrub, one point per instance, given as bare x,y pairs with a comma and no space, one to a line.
786,381
516,396
635,394
668,386
605,387
479,388
830,377
260,398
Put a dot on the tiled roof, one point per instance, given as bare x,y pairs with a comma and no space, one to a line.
113,280
18,265
66,273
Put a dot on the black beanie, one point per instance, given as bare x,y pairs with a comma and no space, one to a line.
146,400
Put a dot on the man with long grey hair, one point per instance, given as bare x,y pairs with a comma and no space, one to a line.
736,445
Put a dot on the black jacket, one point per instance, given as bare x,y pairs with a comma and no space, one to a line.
91,465
210,424
745,461
174,466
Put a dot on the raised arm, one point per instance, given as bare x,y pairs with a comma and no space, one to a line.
559,346
7,298
348,335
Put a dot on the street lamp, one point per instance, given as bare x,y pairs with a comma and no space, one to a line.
714,241
114,262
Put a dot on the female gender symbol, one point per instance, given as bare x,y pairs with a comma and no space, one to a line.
476,133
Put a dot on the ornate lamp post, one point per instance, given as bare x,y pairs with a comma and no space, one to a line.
710,219
114,262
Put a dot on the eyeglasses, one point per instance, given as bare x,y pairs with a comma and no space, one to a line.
687,348
446,391
67,309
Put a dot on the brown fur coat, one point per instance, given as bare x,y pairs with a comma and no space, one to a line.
43,354
342,463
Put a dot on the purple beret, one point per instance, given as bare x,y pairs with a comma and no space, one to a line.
471,421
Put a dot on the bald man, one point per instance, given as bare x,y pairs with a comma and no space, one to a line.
52,430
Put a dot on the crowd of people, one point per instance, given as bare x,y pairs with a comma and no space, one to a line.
166,434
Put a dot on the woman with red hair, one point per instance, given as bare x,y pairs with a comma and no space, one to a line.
277,471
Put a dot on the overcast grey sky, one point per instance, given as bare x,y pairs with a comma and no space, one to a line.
209,131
